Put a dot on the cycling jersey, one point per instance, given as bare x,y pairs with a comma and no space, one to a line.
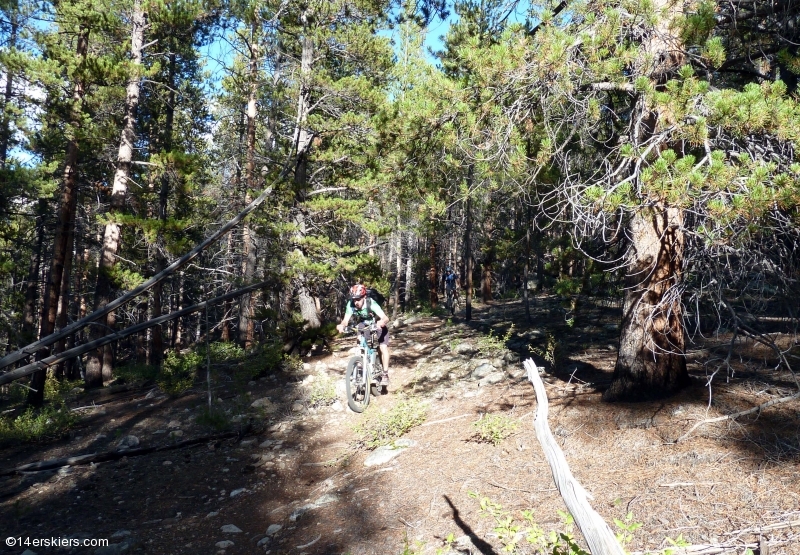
370,306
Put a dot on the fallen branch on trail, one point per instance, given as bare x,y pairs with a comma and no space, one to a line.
116,303
86,347
598,534
735,415
114,455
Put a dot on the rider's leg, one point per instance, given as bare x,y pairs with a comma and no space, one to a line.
384,349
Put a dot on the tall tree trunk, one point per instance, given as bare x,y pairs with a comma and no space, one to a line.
432,277
651,362
99,364
303,138
246,322
527,271
5,126
177,323
33,281
63,298
225,333
468,246
66,219
398,270
157,344
409,272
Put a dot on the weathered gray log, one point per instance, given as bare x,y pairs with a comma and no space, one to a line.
114,455
119,301
86,347
598,534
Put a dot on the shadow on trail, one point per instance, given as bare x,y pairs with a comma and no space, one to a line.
481,545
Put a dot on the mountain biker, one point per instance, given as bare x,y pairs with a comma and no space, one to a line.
450,279
362,309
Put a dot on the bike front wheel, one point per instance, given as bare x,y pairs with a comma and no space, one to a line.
356,384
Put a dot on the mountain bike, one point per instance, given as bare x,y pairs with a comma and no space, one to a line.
364,370
451,300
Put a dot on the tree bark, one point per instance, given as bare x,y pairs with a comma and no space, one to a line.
432,277
651,362
398,270
246,322
409,280
303,137
66,219
468,247
157,344
5,126
100,365
33,281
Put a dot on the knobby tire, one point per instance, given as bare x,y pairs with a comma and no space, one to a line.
356,384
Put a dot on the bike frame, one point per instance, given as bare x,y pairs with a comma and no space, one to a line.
367,352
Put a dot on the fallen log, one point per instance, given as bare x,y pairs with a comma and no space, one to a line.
597,532
65,332
86,347
114,455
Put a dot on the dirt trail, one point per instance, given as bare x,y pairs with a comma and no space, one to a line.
295,484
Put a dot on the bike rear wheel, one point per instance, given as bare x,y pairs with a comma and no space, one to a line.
356,384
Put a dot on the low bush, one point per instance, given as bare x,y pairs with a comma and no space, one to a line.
49,422
178,372
382,428
494,428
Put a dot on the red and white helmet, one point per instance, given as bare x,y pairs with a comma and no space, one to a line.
358,291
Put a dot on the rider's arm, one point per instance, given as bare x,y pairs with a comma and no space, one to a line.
346,320
384,320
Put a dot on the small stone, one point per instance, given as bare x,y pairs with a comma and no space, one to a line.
231,529
176,433
99,437
173,424
300,511
493,378
266,443
28,552
247,442
337,406
127,442
238,492
167,463
262,542
298,406
225,544
464,349
121,534
212,514
273,529
264,404
482,371
386,453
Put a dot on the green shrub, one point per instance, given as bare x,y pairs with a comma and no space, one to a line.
382,428
55,390
49,422
494,428
265,358
221,352
178,372
213,417
490,345
322,391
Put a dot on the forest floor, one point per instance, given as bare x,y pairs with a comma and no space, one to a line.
295,481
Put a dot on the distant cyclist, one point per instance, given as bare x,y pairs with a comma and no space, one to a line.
363,308
450,280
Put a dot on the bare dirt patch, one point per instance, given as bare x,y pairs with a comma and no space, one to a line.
292,482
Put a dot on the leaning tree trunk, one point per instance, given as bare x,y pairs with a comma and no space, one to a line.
651,362
409,279
66,220
99,364
398,270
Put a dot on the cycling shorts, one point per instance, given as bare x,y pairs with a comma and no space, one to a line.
383,336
